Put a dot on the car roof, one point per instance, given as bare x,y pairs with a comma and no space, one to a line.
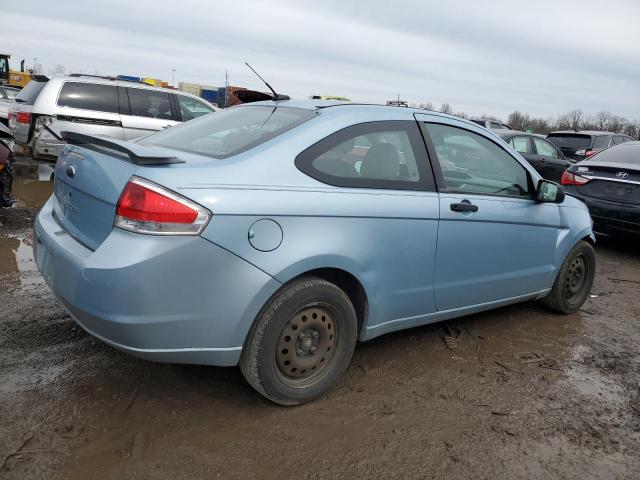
334,105
584,132
103,80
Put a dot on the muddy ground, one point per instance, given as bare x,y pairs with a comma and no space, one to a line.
522,393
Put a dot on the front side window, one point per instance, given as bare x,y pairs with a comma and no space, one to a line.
149,103
521,144
231,131
545,149
471,163
191,108
88,96
369,155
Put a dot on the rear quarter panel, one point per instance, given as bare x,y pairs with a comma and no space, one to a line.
386,240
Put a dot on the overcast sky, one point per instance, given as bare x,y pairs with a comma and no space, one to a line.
544,57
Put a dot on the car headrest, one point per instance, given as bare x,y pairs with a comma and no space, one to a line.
382,161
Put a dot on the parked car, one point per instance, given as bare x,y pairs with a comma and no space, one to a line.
96,105
578,145
7,95
491,124
6,166
609,183
541,154
274,235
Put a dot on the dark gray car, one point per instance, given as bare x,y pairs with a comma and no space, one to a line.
581,144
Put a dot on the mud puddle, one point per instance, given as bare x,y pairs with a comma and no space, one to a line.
32,183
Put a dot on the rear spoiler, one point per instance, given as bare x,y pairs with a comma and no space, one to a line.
138,154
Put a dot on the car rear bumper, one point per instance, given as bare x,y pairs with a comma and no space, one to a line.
611,217
169,299
46,145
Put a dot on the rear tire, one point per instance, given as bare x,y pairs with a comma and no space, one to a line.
574,280
301,342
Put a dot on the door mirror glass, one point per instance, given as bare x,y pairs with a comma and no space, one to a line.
549,192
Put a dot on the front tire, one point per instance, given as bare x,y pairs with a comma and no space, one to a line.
301,343
574,280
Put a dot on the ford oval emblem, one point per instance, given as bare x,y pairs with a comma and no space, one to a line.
71,171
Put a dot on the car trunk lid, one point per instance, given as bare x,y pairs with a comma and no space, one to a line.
613,181
89,177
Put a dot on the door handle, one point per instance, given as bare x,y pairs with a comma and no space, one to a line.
464,207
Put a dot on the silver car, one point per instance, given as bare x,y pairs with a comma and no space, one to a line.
7,95
95,105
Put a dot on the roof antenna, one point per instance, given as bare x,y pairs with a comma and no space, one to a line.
276,96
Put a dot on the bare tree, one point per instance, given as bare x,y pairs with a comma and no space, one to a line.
576,119
446,108
519,121
428,106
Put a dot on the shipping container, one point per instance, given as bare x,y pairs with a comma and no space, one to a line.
128,78
211,96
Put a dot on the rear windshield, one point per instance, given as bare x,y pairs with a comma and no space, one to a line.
625,153
30,92
231,131
570,140
11,93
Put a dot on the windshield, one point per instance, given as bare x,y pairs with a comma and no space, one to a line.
232,131
29,93
570,140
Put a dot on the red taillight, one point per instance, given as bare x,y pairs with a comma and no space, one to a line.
569,178
145,207
588,153
23,117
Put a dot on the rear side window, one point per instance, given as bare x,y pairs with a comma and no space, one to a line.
30,92
601,142
617,140
89,96
149,103
231,131
370,155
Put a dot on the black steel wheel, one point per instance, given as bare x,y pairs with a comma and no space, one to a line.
574,280
301,342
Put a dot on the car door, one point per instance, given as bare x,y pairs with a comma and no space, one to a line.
149,110
524,146
551,163
495,243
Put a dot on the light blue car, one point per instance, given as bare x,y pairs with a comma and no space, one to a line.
274,236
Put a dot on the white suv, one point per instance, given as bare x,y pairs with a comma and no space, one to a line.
95,105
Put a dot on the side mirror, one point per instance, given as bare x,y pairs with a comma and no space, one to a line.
549,192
